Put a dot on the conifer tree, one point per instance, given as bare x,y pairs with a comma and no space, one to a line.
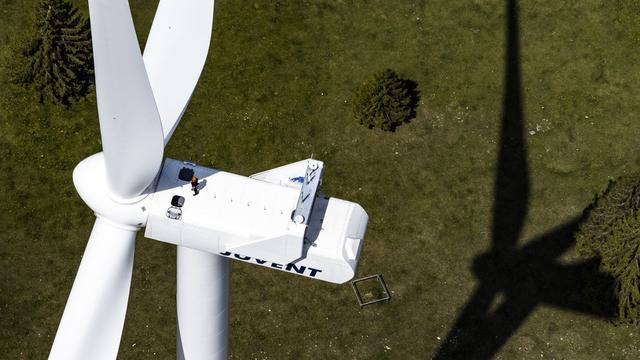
611,230
58,59
385,101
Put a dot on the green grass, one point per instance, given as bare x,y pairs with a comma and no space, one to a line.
277,88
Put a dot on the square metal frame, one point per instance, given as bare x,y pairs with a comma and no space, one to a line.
362,304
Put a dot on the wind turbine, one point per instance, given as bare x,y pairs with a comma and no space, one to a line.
277,218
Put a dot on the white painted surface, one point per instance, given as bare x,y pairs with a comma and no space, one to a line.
250,220
290,175
203,305
130,127
93,319
175,54
90,180
336,230
230,211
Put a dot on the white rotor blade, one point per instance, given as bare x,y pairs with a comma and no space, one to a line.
93,319
130,126
175,54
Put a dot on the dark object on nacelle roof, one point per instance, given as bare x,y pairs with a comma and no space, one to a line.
177,201
185,174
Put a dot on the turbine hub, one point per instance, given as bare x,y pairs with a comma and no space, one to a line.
90,180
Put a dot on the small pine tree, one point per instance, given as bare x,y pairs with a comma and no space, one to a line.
385,101
58,59
611,230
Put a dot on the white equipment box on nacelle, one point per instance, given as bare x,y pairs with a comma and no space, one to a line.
266,219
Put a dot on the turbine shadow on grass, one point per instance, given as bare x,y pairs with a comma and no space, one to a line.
514,280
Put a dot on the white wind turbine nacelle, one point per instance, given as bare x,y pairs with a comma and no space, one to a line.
277,218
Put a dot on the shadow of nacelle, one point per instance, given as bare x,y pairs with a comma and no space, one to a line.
276,218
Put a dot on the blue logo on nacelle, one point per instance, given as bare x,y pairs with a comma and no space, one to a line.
298,179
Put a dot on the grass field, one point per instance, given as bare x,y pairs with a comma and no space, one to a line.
475,271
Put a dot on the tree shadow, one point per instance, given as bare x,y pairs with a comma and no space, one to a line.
414,95
514,279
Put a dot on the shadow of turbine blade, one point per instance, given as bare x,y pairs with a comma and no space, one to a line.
514,280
